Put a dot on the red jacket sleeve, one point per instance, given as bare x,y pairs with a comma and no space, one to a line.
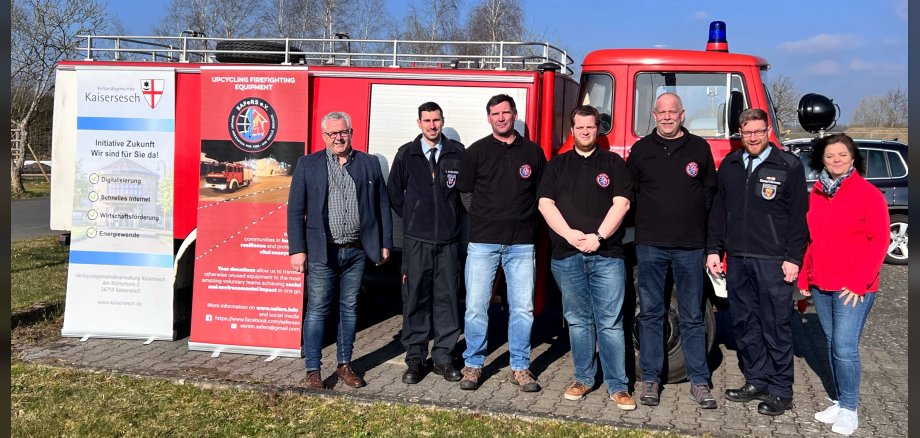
878,234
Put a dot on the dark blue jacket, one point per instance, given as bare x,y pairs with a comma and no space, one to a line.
429,207
308,211
761,216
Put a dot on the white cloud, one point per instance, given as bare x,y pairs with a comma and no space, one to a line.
701,15
823,68
863,66
823,43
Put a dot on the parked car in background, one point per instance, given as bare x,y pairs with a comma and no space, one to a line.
885,167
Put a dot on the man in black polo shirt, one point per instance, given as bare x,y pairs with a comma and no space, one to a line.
584,195
423,193
675,180
501,172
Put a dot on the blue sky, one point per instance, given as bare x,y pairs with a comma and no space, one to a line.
845,50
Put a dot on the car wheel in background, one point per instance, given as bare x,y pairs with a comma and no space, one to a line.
897,250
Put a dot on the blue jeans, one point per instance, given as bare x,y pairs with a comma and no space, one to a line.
687,266
843,326
592,289
482,260
342,273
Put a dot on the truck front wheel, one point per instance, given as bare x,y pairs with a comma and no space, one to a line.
673,368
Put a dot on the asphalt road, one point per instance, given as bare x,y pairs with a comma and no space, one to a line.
30,218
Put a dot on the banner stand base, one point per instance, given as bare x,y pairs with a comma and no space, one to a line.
217,349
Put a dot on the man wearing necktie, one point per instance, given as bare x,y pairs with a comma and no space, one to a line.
422,192
758,220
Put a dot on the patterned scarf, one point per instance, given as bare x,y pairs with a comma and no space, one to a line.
830,186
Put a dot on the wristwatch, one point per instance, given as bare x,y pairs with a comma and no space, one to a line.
600,238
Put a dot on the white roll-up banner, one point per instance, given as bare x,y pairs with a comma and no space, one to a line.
120,280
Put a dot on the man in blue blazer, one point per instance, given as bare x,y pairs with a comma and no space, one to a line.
339,214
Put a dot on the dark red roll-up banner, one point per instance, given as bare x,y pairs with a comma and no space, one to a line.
253,127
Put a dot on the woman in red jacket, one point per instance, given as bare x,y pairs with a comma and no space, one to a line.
849,227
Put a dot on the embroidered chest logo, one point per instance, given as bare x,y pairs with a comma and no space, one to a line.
603,180
525,171
692,169
768,191
451,180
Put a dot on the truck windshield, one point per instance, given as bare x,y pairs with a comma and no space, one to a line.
704,95
771,108
597,91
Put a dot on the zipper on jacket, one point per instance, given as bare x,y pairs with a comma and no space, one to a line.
744,212
435,180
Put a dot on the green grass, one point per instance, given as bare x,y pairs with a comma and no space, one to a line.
55,401
38,272
52,401
34,188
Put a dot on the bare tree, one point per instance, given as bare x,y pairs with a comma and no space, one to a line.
785,100
496,20
437,20
370,19
894,107
888,111
868,112
43,33
214,18
295,19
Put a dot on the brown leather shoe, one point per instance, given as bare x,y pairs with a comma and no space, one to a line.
314,380
347,376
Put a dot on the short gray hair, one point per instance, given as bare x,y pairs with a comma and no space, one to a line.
336,115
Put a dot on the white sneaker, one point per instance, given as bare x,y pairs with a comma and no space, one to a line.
846,423
829,415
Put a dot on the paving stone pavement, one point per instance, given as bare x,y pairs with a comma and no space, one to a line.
378,354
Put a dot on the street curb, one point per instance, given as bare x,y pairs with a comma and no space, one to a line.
35,313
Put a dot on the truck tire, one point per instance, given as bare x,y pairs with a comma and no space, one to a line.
255,58
233,187
675,370
897,251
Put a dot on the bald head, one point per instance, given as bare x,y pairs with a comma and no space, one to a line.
669,116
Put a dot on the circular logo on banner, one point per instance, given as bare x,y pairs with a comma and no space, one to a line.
253,124
603,180
525,171
693,169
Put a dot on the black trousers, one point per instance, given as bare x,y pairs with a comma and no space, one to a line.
761,308
431,280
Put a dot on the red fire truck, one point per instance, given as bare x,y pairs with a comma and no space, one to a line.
382,84
230,178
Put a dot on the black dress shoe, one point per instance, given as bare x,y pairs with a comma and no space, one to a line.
412,375
746,393
774,405
447,370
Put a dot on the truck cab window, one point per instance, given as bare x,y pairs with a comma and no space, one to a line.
597,91
705,97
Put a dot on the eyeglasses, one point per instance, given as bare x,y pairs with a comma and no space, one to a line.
757,133
343,133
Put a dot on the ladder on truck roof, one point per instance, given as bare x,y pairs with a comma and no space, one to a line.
193,47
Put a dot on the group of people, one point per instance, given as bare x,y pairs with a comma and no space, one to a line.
755,211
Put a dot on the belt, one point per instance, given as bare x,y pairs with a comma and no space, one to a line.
355,244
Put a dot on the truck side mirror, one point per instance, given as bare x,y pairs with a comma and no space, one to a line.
735,107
